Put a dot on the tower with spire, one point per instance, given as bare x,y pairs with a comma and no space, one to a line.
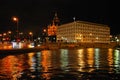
52,29
56,19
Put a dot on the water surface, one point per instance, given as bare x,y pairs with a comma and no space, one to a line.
62,64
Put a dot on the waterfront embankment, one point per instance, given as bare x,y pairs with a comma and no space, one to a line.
50,46
21,50
79,45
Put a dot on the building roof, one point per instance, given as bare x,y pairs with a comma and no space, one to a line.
86,22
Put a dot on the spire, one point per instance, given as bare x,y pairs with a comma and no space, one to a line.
53,23
56,19
74,19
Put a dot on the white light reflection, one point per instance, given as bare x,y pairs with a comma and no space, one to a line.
64,58
97,52
117,58
38,61
34,60
31,61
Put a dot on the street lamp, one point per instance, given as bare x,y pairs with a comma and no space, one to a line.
17,21
31,35
9,35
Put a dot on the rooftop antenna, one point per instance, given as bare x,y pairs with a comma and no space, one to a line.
74,19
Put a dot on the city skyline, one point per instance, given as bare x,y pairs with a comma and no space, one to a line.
34,15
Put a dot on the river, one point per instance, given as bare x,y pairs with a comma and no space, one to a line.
62,64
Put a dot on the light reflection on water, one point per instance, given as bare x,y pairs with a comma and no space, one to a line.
49,63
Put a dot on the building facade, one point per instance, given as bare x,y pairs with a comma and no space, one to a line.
52,30
81,31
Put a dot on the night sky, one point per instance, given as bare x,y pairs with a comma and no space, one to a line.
35,14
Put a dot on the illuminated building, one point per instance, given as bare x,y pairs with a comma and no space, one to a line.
53,28
56,20
82,31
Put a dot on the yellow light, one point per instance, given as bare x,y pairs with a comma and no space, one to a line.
4,34
15,19
30,33
9,32
0,35
44,30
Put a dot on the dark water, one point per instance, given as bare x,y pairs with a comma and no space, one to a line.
63,64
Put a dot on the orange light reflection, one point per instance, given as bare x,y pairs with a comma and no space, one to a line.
46,63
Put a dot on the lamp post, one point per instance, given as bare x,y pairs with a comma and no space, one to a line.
31,36
9,35
17,21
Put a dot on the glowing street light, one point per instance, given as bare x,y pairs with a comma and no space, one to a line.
9,32
31,35
15,18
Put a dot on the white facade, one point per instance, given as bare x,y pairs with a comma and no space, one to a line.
81,31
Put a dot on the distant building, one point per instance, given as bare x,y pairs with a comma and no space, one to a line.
82,31
52,29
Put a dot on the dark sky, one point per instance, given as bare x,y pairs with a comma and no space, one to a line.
35,14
